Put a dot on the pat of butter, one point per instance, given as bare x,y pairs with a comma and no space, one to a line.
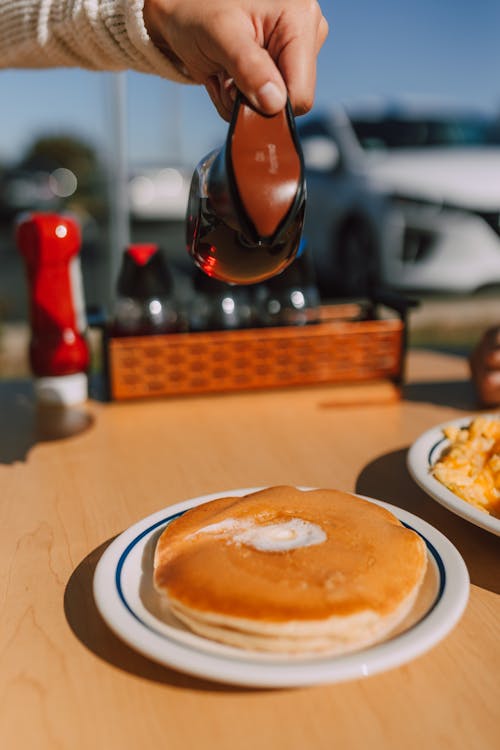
272,537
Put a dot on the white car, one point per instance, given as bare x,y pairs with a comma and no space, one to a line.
159,193
346,213
436,173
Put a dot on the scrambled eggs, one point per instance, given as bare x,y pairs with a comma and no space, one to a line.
470,466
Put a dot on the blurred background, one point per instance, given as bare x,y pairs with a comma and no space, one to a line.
402,150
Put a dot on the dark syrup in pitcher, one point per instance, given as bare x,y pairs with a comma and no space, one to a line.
224,253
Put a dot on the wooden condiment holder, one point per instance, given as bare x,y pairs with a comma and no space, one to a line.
348,345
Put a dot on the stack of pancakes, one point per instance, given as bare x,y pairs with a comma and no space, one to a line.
287,570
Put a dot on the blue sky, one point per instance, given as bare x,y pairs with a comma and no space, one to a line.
441,48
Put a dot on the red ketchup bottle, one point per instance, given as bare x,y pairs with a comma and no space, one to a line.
59,354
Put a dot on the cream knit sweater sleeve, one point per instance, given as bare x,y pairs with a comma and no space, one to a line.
92,34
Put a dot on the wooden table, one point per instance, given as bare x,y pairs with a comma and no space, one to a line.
68,683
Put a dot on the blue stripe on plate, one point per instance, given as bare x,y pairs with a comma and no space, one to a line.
431,458
440,566
125,554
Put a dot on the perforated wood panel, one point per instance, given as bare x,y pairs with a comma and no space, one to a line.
329,352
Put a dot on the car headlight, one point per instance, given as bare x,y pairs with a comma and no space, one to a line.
418,220
492,218
407,204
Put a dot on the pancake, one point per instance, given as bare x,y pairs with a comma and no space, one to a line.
287,570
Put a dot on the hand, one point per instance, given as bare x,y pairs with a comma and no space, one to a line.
485,367
264,48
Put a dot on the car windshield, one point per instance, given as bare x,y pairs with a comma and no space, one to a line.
393,132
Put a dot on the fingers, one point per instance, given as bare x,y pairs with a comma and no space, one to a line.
222,91
485,367
270,58
492,359
489,389
491,338
297,62
251,68
212,88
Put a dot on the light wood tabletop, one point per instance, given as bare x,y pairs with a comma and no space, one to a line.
68,683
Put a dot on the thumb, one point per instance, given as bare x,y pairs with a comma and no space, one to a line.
254,73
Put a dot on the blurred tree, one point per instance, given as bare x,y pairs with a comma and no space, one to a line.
51,151
76,175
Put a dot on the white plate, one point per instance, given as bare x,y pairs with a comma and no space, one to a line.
424,453
131,607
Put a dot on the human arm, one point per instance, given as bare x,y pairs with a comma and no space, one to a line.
105,35
266,48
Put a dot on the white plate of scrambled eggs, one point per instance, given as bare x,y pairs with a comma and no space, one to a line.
458,464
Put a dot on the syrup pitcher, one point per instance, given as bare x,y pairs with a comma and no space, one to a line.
247,199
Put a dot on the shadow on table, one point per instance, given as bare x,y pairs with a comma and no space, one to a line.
457,394
387,478
87,624
24,424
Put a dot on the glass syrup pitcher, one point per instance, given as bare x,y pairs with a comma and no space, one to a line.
247,199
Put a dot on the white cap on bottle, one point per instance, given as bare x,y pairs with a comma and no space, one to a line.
62,390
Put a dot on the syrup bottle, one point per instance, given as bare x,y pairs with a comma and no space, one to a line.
145,303
58,352
292,297
219,306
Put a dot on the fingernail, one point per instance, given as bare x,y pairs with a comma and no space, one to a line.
270,97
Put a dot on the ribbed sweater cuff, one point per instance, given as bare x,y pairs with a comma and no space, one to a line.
93,34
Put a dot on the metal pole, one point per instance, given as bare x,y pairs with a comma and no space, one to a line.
119,204
175,117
